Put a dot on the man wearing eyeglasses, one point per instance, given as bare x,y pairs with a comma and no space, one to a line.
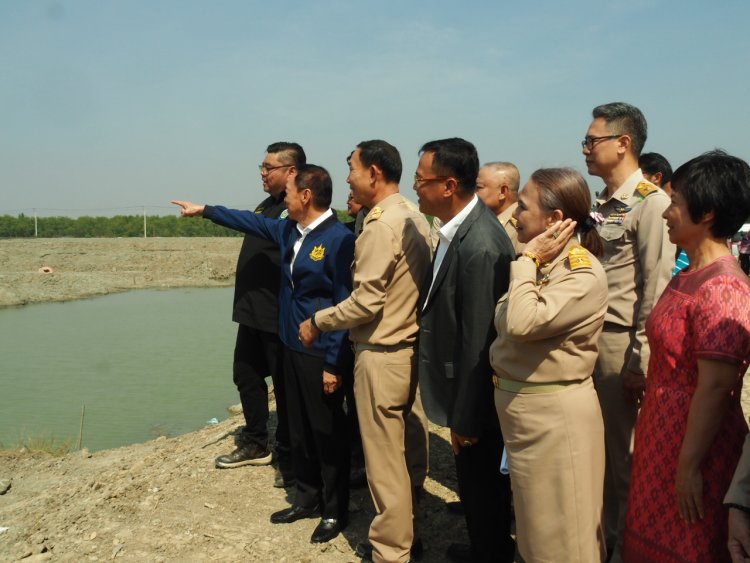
391,257
638,259
258,351
470,272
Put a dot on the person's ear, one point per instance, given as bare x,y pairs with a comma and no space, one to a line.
503,193
624,144
451,185
708,217
554,217
374,173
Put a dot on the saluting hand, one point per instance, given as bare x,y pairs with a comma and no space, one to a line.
550,243
189,209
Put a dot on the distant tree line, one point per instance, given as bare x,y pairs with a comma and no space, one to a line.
22,226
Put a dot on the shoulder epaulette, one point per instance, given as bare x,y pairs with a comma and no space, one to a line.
645,188
578,257
374,214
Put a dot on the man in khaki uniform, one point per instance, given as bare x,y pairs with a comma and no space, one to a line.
738,501
497,187
638,260
392,256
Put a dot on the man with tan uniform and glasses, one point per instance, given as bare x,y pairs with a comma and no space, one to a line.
638,260
391,258
497,187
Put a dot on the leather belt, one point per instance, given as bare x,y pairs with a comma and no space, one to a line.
513,386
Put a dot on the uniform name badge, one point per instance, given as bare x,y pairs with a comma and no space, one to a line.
578,257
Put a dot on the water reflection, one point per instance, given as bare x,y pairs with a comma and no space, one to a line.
144,363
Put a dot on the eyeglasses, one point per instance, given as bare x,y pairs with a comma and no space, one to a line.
268,169
590,142
419,181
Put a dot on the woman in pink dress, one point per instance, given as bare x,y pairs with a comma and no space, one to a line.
691,428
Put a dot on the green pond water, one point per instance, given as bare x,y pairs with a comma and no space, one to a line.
143,363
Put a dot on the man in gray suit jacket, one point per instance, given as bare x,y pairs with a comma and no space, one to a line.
470,272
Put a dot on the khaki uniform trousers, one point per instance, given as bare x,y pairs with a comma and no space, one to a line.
394,438
615,344
555,444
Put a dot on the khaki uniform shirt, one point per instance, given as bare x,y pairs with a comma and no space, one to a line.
638,258
437,224
739,490
506,220
549,322
391,259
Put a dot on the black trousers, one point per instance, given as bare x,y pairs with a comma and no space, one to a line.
319,433
258,354
485,497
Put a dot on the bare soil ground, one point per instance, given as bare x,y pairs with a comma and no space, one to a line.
87,267
164,500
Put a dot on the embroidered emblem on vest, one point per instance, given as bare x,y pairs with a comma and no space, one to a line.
317,253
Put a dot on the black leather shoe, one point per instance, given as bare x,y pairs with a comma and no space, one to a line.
364,550
292,514
459,553
326,530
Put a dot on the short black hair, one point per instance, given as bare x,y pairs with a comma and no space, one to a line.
718,182
455,157
383,155
653,162
289,153
624,119
318,181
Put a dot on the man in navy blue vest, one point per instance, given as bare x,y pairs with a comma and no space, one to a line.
316,252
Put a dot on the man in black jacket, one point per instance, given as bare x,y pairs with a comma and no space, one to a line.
258,351
471,269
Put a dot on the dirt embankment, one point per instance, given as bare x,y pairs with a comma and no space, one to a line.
164,500
80,268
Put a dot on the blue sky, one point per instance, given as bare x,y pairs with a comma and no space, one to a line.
109,106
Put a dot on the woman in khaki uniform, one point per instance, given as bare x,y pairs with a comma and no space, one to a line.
547,329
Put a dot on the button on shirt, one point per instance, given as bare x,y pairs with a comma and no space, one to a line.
445,237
